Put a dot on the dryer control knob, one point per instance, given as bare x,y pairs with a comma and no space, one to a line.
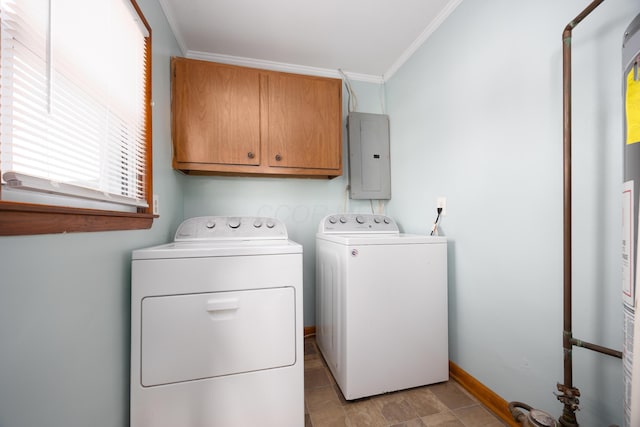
333,220
359,219
210,225
386,221
376,220
270,224
343,220
257,223
234,222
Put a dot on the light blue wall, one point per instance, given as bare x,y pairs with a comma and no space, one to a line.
299,203
476,116
64,299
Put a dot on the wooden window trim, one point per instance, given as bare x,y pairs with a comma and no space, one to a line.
26,219
30,219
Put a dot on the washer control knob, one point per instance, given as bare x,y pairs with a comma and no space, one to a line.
210,224
270,224
332,219
386,221
376,220
343,220
234,222
257,223
359,219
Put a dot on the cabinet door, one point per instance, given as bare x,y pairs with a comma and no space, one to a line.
216,113
305,122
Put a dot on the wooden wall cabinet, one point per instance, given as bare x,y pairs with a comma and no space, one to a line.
230,120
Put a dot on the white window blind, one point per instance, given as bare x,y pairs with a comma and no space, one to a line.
72,103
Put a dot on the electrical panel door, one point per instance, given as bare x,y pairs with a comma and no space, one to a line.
369,158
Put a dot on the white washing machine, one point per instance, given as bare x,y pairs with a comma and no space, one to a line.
381,305
216,327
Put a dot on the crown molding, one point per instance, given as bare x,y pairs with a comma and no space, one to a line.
433,26
281,66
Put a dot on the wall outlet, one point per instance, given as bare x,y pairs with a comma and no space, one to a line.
156,204
441,202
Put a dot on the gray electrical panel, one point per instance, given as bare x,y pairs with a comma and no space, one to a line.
369,160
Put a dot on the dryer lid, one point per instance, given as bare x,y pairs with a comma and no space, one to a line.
223,248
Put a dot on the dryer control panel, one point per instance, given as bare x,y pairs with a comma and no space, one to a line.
358,223
205,228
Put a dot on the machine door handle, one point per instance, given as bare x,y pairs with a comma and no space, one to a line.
214,305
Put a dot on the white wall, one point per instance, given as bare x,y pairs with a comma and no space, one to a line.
65,299
476,116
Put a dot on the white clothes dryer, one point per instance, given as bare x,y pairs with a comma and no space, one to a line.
381,305
216,327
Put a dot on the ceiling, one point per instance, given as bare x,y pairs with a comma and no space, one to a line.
367,39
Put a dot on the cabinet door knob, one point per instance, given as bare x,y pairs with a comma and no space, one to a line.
278,157
250,155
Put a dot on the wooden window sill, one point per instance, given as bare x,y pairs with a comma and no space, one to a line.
20,219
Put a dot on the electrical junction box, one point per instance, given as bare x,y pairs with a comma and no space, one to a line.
369,159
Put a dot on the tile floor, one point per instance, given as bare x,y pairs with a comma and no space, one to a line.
439,405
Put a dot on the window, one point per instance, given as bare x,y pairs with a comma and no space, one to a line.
75,117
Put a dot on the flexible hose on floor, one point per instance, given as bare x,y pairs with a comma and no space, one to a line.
517,415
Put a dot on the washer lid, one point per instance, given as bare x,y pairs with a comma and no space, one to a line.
380,239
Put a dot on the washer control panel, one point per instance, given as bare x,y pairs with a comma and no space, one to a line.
230,228
357,223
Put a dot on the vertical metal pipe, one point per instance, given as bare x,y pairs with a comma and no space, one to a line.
568,417
566,108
